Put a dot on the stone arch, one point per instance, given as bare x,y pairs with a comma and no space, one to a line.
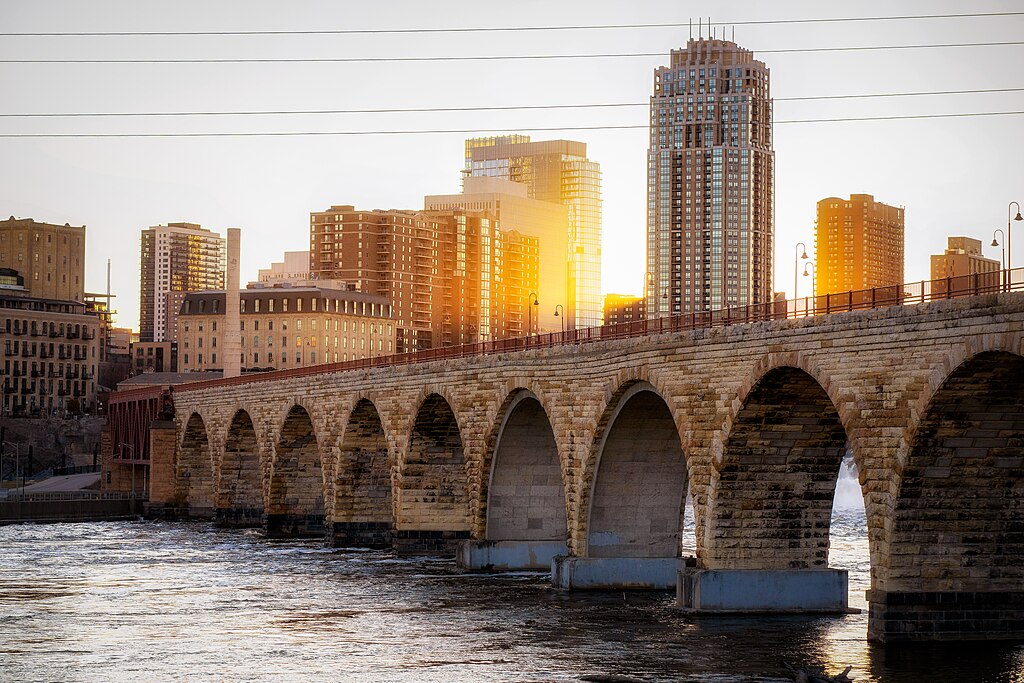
958,529
296,500
773,483
362,483
432,511
194,470
635,503
524,496
240,501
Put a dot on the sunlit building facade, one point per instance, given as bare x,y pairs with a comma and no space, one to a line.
556,171
547,223
445,272
858,244
710,182
285,327
177,257
624,308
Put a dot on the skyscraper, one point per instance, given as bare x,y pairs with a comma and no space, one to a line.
555,171
177,257
858,244
710,181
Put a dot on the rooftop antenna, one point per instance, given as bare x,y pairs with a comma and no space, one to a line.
734,33
691,28
712,28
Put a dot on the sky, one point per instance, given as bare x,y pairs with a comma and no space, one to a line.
955,176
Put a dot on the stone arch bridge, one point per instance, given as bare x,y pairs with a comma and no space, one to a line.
588,451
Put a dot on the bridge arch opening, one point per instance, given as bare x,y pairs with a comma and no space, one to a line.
433,510
525,496
194,474
958,535
774,488
362,510
640,481
240,484
296,506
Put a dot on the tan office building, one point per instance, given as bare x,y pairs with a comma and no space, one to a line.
50,258
285,327
858,244
963,267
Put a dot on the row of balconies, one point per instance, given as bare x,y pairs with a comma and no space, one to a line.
85,334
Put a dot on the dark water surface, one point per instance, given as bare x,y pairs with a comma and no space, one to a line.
150,601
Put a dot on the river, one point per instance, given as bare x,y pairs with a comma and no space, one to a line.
154,601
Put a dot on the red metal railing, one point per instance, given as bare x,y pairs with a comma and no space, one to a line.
878,297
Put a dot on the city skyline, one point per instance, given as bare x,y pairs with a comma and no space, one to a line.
228,182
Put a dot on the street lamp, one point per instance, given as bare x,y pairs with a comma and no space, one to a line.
995,243
813,274
1009,235
801,253
534,301
561,315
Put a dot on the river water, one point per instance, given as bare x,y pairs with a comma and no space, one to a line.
151,601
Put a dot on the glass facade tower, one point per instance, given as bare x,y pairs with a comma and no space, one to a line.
710,181
556,171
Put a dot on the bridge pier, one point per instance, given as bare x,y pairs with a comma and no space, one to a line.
295,526
361,535
758,591
425,542
240,518
508,555
914,616
615,573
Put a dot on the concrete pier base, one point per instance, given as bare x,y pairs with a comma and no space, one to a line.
425,542
240,518
759,591
361,535
506,555
914,616
295,526
615,573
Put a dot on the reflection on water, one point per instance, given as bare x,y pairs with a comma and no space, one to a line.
176,602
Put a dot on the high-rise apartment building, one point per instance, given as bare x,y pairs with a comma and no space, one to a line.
710,181
547,222
390,254
452,276
556,171
858,244
177,257
50,258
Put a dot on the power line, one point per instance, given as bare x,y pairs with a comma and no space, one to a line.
499,29
437,131
523,107
482,58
